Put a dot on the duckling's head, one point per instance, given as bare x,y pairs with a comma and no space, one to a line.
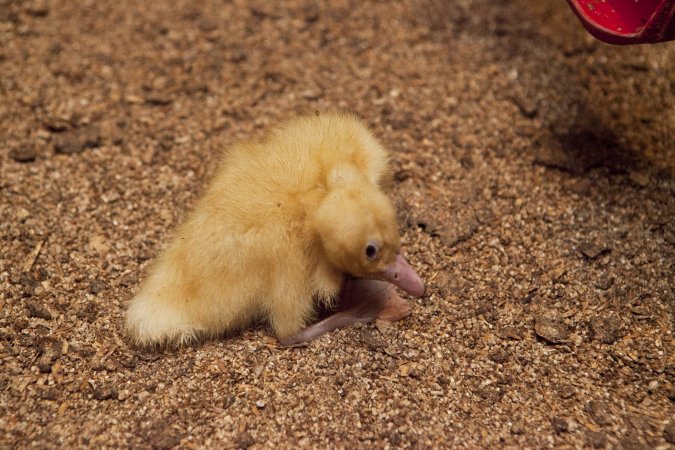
357,226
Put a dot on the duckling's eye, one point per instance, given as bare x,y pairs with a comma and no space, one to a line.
371,250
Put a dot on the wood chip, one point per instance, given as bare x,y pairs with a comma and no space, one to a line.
551,331
221,366
592,250
30,259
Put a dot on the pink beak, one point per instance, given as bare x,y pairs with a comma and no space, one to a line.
400,274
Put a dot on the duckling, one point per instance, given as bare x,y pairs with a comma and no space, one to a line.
288,224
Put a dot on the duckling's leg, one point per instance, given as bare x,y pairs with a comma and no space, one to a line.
361,301
289,310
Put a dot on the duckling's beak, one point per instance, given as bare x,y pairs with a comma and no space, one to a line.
400,274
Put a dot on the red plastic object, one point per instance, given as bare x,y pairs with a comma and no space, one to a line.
627,21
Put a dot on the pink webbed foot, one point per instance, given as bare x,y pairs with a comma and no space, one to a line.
363,301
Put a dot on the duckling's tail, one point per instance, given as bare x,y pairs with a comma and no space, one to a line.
153,322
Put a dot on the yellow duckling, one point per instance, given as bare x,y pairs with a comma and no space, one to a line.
287,225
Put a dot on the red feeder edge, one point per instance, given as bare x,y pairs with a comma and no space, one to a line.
624,22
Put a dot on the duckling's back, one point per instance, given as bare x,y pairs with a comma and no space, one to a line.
289,170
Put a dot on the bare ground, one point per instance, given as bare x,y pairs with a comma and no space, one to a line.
535,174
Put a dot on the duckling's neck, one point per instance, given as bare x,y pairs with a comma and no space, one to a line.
344,174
